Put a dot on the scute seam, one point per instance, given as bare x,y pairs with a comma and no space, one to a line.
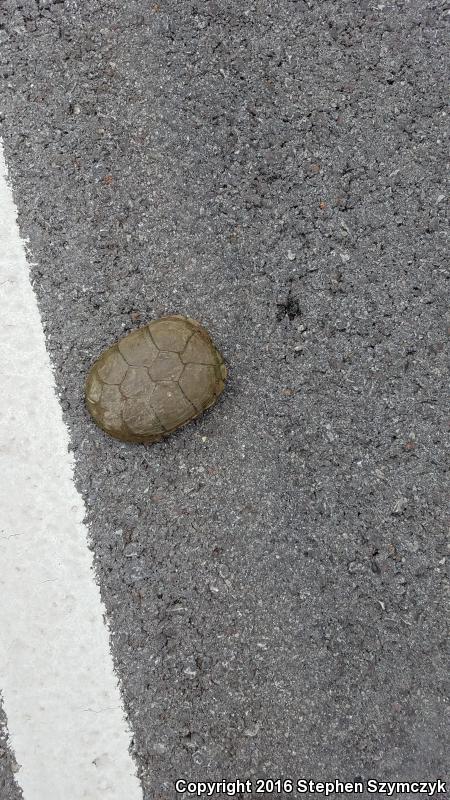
147,330
187,398
187,342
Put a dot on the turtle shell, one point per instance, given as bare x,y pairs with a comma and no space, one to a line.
155,379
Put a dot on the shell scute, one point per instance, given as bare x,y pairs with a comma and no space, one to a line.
171,405
93,389
198,351
113,368
139,416
138,348
137,381
169,334
111,405
199,383
167,367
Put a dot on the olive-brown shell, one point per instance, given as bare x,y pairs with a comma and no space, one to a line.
155,379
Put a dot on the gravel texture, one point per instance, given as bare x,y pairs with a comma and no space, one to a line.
8,765
274,573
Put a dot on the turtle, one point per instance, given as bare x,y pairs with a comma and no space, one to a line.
155,379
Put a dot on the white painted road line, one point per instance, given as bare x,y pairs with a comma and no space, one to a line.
65,717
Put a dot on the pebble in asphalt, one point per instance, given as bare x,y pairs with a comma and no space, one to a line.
273,573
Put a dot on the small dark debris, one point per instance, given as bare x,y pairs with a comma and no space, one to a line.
289,308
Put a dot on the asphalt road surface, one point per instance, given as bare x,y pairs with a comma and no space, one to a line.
273,573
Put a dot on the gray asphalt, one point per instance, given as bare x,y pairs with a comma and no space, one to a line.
274,573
